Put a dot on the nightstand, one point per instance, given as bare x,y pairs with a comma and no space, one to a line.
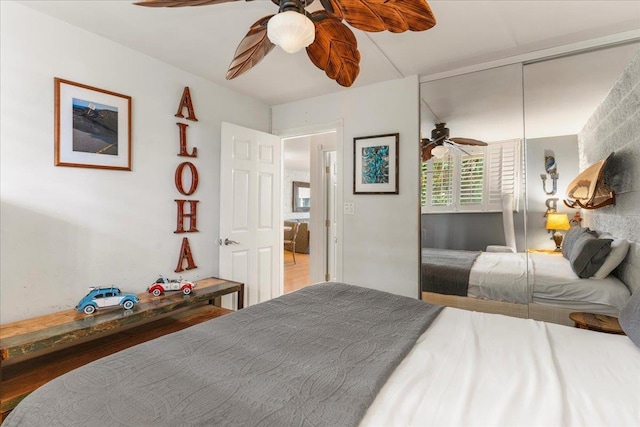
597,322
544,251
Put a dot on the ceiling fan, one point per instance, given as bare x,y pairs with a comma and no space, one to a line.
330,44
440,142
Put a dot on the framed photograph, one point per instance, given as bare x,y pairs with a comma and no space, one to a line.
92,127
375,164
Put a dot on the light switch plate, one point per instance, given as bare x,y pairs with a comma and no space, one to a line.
349,208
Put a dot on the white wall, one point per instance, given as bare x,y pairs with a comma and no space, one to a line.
565,149
381,241
64,229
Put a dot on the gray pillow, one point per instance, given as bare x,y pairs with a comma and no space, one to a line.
588,254
570,239
630,318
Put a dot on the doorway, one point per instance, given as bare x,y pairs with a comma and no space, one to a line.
309,209
296,212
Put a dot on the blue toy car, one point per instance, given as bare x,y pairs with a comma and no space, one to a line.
106,297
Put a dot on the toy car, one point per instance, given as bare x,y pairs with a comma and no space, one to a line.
163,284
106,297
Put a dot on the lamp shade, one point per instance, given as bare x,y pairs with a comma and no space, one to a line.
557,221
291,31
439,151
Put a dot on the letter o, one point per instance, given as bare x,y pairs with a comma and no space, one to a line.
194,178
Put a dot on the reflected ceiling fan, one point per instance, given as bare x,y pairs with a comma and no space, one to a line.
330,44
440,142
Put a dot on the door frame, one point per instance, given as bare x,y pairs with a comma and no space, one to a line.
337,127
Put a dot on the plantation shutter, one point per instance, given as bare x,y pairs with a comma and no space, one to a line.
471,189
503,175
424,167
474,182
440,184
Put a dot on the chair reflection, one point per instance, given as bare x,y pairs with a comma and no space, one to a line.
290,240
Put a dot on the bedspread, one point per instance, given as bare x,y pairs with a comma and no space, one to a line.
314,357
446,271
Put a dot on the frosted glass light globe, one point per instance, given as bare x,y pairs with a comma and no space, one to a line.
291,31
439,151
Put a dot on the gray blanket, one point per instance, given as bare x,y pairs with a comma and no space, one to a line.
316,357
446,271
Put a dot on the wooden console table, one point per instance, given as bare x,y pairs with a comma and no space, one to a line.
34,351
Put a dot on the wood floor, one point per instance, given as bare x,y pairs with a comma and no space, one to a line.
296,276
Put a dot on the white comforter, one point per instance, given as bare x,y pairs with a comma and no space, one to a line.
546,279
500,276
477,369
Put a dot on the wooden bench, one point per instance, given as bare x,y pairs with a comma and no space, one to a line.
34,351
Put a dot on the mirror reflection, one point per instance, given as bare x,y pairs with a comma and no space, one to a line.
473,188
499,148
301,196
570,114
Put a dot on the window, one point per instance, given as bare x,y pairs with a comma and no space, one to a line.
472,182
471,179
441,182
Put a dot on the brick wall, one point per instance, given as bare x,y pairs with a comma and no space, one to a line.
615,128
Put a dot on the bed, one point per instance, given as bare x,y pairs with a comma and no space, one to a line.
339,355
546,285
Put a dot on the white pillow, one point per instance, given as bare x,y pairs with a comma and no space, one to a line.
619,249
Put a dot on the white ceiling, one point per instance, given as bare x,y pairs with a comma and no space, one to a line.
202,40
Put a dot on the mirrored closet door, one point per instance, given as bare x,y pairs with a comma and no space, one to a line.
473,192
567,129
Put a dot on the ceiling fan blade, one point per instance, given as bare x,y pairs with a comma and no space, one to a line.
425,149
253,47
335,49
396,16
468,141
180,3
426,154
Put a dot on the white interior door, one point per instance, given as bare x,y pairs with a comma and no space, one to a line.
250,227
331,184
323,218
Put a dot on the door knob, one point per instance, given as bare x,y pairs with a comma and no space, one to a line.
228,242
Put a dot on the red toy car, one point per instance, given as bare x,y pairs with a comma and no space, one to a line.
163,284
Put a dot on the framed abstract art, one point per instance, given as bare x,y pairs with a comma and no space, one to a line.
375,164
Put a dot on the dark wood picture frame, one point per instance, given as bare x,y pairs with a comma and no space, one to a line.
380,175
295,205
92,127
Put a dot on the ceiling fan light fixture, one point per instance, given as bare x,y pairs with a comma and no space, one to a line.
439,151
291,31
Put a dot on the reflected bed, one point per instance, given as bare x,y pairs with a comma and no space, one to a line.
546,282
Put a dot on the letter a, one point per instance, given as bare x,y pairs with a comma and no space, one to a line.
186,102
185,253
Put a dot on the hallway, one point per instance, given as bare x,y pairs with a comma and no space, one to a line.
296,276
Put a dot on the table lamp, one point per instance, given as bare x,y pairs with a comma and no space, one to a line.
555,222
